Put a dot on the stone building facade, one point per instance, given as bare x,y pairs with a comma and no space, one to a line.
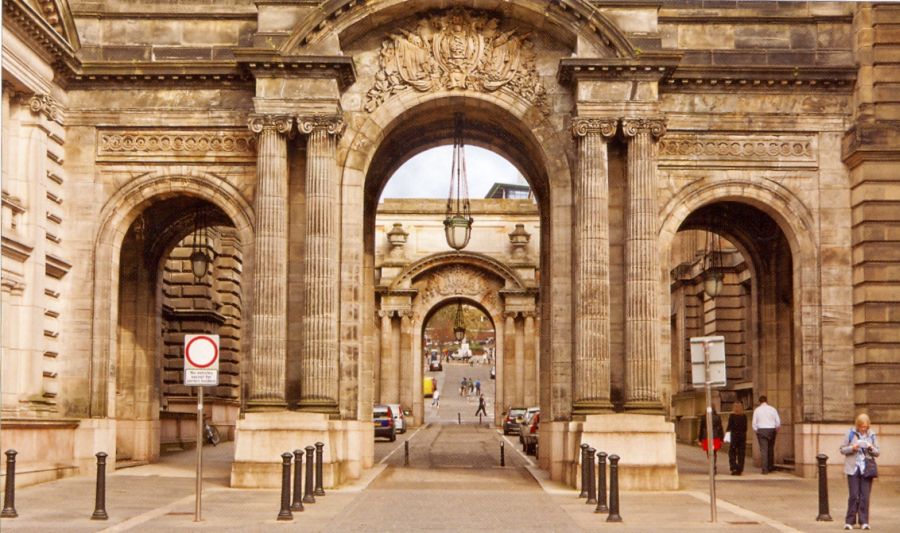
125,137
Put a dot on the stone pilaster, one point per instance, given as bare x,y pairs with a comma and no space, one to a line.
509,360
319,358
405,361
642,388
387,350
269,343
531,381
592,357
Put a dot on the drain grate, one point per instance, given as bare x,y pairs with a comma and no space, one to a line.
740,523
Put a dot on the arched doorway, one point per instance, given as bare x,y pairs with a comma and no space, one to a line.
465,369
756,312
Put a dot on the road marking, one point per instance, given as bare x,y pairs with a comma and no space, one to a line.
386,457
527,459
746,513
155,513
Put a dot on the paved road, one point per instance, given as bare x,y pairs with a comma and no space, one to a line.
452,402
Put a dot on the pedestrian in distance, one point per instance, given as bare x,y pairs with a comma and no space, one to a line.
718,435
481,406
462,387
471,387
736,435
766,423
859,448
436,397
478,387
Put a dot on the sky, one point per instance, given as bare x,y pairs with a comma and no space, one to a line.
427,175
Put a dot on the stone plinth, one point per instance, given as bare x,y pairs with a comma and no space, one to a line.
813,439
645,443
261,438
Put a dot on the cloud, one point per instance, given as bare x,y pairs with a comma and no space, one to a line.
427,175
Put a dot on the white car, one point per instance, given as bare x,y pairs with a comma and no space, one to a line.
399,419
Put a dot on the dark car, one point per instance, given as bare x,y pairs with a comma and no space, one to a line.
434,364
514,417
383,418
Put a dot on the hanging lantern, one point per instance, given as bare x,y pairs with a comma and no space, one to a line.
199,259
458,224
713,276
459,327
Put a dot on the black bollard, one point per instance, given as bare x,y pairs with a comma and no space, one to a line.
458,418
9,497
601,484
296,503
502,454
308,496
583,493
824,515
614,490
406,453
320,491
100,497
592,493
285,512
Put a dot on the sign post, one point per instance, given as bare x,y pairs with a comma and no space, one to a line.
708,369
201,369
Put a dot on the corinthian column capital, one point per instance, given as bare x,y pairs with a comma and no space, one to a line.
282,124
330,124
582,126
655,126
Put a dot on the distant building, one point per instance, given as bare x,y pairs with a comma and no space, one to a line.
509,191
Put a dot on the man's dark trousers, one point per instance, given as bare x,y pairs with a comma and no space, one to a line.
766,438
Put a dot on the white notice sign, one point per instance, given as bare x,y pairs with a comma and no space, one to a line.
201,360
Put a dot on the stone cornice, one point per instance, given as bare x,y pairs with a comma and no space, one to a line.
20,15
57,267
180,73
201,315
649,67
15,250
582,126
871,142
655,126
268,63
765,78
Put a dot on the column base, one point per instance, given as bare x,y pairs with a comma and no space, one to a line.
318,406
645,408
261,438
592,407
266,405
645,444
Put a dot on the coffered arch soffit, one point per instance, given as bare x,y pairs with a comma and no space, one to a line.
566,21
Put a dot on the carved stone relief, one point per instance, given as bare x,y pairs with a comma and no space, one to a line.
457,280
680,149
176,144
457,49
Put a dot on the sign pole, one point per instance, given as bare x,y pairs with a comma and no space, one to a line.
199,453
710,451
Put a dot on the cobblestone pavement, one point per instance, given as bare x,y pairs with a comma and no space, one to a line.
453,483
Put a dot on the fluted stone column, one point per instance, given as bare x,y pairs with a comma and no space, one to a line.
592,357
319,356
385,364
269,342
509,360
642,388
405,363
531,381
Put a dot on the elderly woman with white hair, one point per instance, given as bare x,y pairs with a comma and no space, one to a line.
858,447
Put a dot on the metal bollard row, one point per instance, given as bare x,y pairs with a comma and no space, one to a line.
600,485
313,482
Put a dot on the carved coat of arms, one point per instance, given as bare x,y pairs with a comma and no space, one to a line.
457,49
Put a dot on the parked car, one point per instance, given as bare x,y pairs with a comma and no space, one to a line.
526,422
383,418
513,418
530,439
434,364
399,417
428,386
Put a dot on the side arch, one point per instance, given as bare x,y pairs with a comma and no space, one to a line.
797,223
116,216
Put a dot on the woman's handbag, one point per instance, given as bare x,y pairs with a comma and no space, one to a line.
871,468
717,443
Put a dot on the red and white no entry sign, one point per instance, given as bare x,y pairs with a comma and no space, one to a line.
201,360
201,351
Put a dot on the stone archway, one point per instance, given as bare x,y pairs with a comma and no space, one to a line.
130,266
407,300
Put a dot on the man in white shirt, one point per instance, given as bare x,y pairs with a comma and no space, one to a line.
766,423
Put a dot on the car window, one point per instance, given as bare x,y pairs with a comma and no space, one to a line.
380,413
516,412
